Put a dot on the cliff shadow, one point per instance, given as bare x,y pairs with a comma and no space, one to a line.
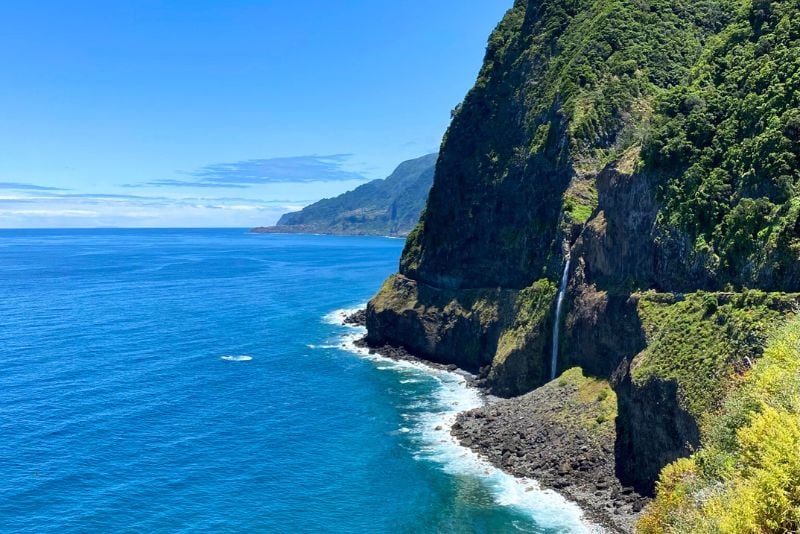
653,430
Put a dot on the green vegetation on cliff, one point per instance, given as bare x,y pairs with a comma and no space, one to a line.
599,60
727,144
701,340
746,479
592,408
515,367
565,87
709,89
580,201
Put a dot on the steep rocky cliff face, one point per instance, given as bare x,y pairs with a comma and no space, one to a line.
656,143
564,85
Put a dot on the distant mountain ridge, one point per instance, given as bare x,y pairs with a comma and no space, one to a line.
391,206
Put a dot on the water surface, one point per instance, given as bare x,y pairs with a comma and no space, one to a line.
195,380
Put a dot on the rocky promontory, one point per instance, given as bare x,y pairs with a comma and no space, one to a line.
561,435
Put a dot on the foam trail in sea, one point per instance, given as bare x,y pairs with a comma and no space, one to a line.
429,424
236,358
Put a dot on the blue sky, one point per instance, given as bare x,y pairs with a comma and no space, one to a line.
220,113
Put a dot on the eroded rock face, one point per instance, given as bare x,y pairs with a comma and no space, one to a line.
653,430
518,366
444,326
602,331
501,331
616,247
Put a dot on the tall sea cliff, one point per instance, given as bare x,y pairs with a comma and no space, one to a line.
653,144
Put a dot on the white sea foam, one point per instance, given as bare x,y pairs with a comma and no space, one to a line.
429,427
237,358
433,430
337,317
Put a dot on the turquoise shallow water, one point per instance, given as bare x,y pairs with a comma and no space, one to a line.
127,403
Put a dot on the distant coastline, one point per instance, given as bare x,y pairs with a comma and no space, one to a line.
390,207
311,230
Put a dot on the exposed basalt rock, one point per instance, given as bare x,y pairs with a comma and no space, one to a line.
653,430
616,247
601,329
444,326
402,355
358,318
518,366
504,330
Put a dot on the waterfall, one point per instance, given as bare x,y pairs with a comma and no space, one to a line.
557,319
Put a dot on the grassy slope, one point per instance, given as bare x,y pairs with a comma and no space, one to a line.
701,340
592,407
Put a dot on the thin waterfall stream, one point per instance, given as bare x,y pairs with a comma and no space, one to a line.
557,319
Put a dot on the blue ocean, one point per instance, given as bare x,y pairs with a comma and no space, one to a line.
202,381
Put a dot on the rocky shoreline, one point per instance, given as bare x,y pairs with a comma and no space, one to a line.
533,436
401,354
358,318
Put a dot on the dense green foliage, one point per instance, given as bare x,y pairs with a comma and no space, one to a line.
381,207
534,303
728,145
601,59
746,478
701,340
660,140
565,87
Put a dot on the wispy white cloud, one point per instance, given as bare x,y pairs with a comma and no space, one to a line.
248,173
19,186
47,213
188,183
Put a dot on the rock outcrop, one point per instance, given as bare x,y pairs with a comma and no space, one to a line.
563,436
